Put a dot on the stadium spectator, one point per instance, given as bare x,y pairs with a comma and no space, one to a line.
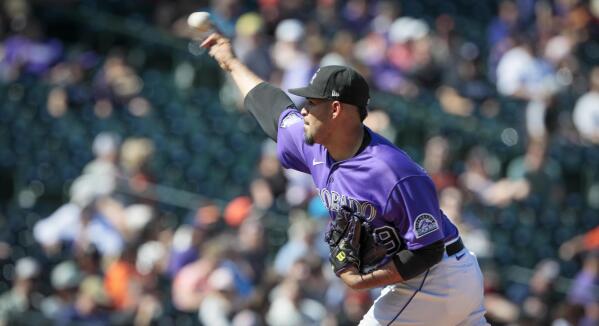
251,44
65,279
522,73
123,282
302,236
219,303
91,307
539,302
474,235
190,284
19,305
290,306
586,111
582,301
584,290
436,162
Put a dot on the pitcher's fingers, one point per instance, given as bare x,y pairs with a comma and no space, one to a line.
213,51
210,40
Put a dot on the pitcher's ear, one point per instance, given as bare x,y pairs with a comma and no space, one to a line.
336,108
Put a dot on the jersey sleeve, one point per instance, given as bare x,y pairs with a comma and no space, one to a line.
266,103
292,151
413,208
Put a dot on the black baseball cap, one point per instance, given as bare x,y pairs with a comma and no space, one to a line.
337,83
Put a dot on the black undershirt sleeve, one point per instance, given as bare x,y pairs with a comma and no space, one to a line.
266,103
411,263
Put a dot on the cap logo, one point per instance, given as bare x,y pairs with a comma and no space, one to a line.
314,76
334,93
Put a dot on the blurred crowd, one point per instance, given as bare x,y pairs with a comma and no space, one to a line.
136,190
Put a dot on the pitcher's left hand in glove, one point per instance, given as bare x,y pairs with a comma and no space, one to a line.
344,241
352,242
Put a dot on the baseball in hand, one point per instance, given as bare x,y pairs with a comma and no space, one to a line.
200,21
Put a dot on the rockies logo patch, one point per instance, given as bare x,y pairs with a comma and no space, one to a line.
289,120
424,224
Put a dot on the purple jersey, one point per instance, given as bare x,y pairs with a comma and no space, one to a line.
382,183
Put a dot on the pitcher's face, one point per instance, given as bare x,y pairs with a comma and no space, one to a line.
317,115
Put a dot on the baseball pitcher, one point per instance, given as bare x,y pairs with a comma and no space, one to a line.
387,229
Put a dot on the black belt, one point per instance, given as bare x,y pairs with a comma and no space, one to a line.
454,247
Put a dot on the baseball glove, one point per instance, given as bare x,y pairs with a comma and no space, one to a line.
343,238
352,241
373,253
